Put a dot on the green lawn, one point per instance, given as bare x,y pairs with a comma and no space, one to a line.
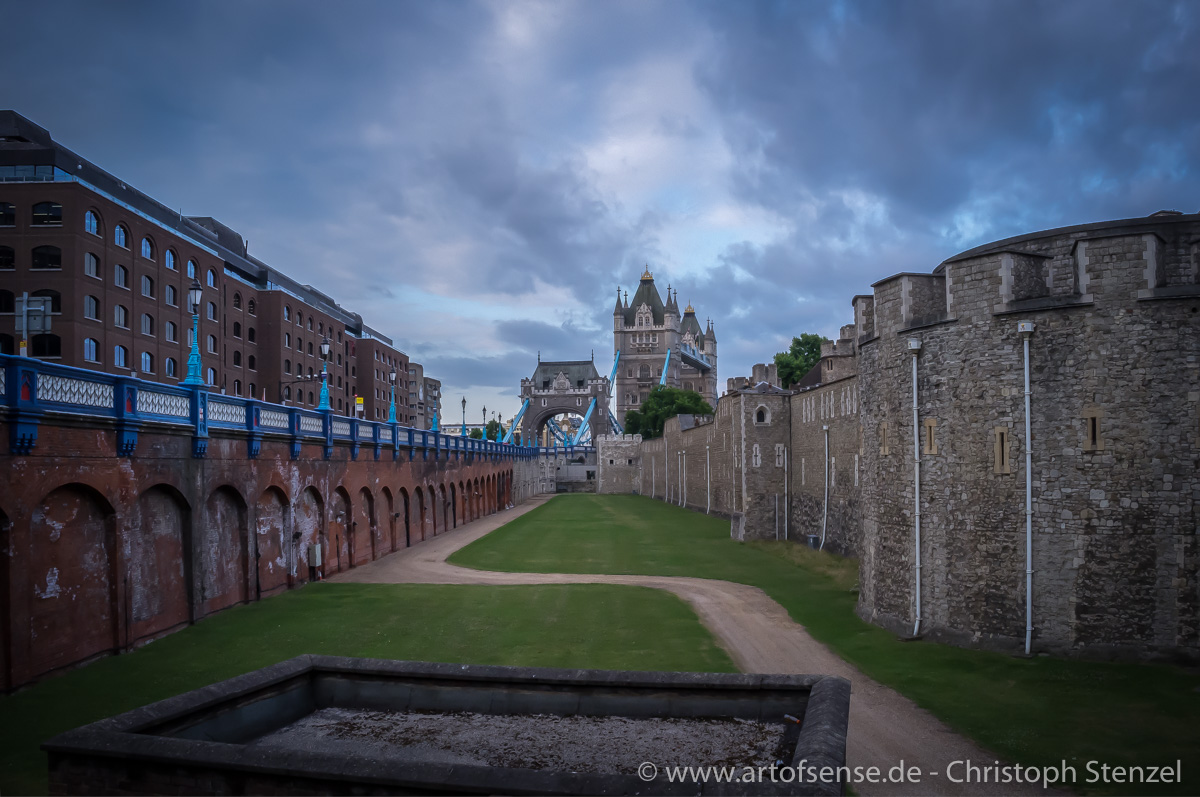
575,626
1033,711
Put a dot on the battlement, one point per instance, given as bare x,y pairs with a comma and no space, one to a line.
618,438
1118,263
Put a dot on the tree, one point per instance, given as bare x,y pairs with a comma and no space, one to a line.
491,430
662,403
475,434
798,360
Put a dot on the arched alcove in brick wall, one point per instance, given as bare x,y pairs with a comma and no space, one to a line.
363,530
271,523
159,563
308,519
340,531
72,613
222,548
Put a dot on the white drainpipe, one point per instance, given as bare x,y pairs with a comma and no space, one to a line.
1026,330
785,493
825,511
708,478
914,346
683,477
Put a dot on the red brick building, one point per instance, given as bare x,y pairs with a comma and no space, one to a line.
117,266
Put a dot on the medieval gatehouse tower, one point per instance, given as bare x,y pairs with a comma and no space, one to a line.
645,329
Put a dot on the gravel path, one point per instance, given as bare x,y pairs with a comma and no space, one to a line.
759,635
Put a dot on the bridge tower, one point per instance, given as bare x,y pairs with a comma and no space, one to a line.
644,330
564,387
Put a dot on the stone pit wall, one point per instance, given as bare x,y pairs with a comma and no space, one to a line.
1115,549
619,461
834,406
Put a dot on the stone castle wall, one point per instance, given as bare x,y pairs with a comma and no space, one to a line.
619,461
1115,417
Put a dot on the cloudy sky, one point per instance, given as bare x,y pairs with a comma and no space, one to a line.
477,178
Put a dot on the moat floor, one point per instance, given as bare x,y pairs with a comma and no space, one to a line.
886,728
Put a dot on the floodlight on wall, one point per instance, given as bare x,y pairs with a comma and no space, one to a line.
914,345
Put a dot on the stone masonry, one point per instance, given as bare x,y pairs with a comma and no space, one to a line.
1115,415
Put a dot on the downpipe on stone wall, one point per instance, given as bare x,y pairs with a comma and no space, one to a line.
914,346
683,486
786,509
1026,330
825,510
708,480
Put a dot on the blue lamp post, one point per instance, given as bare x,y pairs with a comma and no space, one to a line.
392,408
464,405
195,294
324,405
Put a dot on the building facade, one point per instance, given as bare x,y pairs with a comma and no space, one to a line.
906,445
117,265
644,331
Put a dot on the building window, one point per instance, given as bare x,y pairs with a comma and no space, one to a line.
47,214
46,345
8,215
287,340
299,345
120,357
212,344
121,316
287,393
250,334
90,349
250,363
287,366
147,286
211,376
47,257
8,258
287,313
147,324
91,265
121,276
147,362
237,359
211,278
8,302
237,329
1092,441
250,307
237,301
121,236
237,387
212,312
171,332
755,456
930,440
779,455
310,324
191,269
884,447
171,367
171,296
147,249
310,348
169,259
762,415
91,308
91,222
1000,454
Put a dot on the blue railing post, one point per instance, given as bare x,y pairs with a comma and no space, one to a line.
199,401
395,440
412,435
297,432
125,408
327,422
253,430
354,424
20,384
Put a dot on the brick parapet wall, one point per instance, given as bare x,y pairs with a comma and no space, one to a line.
104,552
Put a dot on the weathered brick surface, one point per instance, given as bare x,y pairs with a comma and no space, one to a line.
102,553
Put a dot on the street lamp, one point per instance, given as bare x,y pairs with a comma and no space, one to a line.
324,405
499,426
195,294
464,429
392,408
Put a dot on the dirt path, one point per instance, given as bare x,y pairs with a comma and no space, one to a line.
885,727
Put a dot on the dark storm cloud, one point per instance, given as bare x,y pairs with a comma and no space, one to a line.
517,157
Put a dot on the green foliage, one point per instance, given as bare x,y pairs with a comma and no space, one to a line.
1037,711
662,403
492,425
577,626
475,434
798,360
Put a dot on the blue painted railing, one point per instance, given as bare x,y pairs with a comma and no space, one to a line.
32,390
